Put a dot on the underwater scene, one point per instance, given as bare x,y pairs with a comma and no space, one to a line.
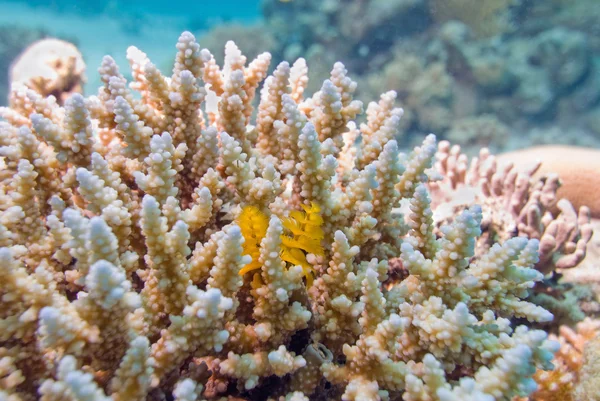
294,200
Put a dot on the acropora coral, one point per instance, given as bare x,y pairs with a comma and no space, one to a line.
127,217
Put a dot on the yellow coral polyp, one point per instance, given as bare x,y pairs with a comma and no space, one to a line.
305,237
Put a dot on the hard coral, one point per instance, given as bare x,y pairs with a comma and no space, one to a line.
515,204
50,67
560,384
122,237
577,167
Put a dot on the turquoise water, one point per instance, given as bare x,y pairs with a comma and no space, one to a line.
227,9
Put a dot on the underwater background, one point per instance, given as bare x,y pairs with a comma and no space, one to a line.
505,74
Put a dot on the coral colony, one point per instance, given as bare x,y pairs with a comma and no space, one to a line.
164,240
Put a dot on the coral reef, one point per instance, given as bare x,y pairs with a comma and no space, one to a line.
481,131
486,18
127,217
426,92
357,30
531,65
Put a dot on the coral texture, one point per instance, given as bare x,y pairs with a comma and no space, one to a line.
50,67
577,168
524,71
514,204
571,370
126,219
486,18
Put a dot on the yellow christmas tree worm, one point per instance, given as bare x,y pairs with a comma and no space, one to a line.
304,237
253,224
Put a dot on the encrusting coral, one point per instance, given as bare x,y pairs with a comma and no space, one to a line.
127,218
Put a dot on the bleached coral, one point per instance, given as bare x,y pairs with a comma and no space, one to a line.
128,262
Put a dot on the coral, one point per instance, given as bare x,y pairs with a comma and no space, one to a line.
126,219
585,276
424,90
478,132
587,388
514,204
251,39
485,18
570,379
50,67
577,168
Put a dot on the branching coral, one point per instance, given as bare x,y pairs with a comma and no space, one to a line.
514,204
126,221
560,384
